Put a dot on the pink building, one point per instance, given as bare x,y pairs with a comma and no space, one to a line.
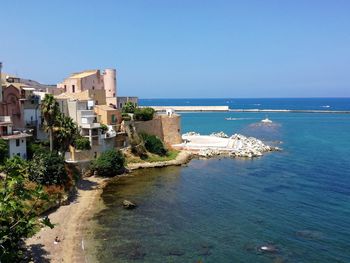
92,80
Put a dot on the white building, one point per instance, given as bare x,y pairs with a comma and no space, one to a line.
17,141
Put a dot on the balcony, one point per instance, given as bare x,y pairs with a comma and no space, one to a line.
5,119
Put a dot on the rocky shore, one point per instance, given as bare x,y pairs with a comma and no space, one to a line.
221,144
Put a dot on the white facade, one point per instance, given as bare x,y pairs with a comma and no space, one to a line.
18,147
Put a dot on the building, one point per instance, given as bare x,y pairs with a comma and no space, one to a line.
17,140
19,99
92,80
122,100
85,110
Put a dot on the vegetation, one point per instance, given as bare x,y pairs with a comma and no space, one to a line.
17,209
144,114
109,163
3,150
82,143
104,128
129,107
50,111
153,144
35,148
126,117
66,132
171,155
48,169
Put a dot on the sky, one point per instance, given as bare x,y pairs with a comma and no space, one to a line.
183,48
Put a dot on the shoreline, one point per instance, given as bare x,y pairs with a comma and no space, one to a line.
69,223
70,220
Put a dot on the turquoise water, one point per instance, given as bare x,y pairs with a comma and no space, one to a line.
223,210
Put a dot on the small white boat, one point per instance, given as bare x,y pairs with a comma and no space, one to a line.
266,120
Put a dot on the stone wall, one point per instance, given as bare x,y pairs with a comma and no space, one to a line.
167,128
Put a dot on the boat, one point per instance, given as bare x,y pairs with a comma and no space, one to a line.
266,120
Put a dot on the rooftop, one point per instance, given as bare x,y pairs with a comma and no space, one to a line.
105,107
83,74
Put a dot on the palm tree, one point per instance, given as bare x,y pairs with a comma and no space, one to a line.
66,131
50,110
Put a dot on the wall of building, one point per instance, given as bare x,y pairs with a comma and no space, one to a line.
106,116
21,149
167,128
11,106
122,100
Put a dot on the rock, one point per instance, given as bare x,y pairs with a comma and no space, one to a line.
128,205
191,133
219,134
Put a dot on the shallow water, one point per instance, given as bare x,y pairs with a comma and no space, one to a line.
222,210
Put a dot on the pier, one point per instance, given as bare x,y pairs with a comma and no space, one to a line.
191,108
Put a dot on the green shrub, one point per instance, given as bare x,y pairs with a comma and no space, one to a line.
126,117
144,114
153,144
109,163
48,169
35,148
129,107
82,143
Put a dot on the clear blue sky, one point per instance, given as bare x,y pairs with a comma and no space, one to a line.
183,48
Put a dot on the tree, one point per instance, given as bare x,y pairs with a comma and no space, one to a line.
48,169
109,163
153,144
65,132
129,107
144,114
50,110
4,150
17,209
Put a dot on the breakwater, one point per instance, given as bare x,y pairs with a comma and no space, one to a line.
226,108
290,111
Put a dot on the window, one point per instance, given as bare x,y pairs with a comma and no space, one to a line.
96,102
73,88
65,88
113,118
93,87
121,105
17,142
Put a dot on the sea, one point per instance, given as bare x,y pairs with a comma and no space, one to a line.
223,209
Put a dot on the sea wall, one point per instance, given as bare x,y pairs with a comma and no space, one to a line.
167,128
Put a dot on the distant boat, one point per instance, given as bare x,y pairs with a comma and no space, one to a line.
326,106
266,120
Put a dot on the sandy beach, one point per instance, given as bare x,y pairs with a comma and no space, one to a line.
69,222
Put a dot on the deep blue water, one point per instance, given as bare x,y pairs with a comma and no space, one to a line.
277,103
222,210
